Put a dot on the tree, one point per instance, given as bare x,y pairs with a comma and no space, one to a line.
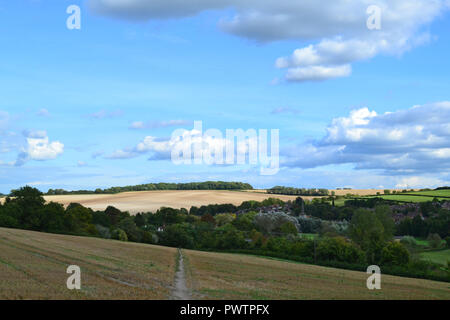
230,238
30,200
395,253
52,218
339,249
78,220
288,228
224,218
270,222
119,234
209,219
384,215
115,215
180,235
368,232
434,240
129,226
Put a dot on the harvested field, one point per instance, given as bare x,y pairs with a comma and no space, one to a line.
235,276
146,201
33,266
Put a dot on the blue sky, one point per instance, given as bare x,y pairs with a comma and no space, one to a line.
69,98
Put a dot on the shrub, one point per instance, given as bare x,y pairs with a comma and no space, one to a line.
409,241
103,231
270,222
119,234
394,253
434,240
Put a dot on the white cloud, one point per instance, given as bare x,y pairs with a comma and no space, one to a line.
43,149
317,73
207,144
39,148
415,140
337,29
420,182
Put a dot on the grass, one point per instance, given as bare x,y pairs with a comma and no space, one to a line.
33,266
310,236
234,276
439,256
433,193
405,198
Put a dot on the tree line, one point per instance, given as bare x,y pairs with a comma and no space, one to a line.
298,191
207,185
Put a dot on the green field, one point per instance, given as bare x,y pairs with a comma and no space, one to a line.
440,257
406,198
432,193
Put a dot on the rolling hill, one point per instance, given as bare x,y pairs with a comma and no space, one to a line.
33,266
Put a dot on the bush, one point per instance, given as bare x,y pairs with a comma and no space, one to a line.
103,231
288,228
409,241
270,222
434,240
339,249
394,253
119,234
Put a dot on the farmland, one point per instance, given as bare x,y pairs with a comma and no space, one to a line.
235,276
146,201
33,266
438,256
407,198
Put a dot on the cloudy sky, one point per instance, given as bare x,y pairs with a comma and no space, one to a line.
96,107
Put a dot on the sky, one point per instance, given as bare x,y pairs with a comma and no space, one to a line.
360,97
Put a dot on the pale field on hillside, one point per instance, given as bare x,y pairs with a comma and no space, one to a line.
235,276
150,201
33,266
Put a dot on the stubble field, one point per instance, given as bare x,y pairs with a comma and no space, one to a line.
33,266
150,201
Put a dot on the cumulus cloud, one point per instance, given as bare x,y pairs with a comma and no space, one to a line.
337,31
39,148
405,142
196,144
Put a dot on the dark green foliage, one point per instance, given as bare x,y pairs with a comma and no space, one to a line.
298,191
339,249
394,253
208,185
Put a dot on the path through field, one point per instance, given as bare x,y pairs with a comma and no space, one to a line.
180,292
